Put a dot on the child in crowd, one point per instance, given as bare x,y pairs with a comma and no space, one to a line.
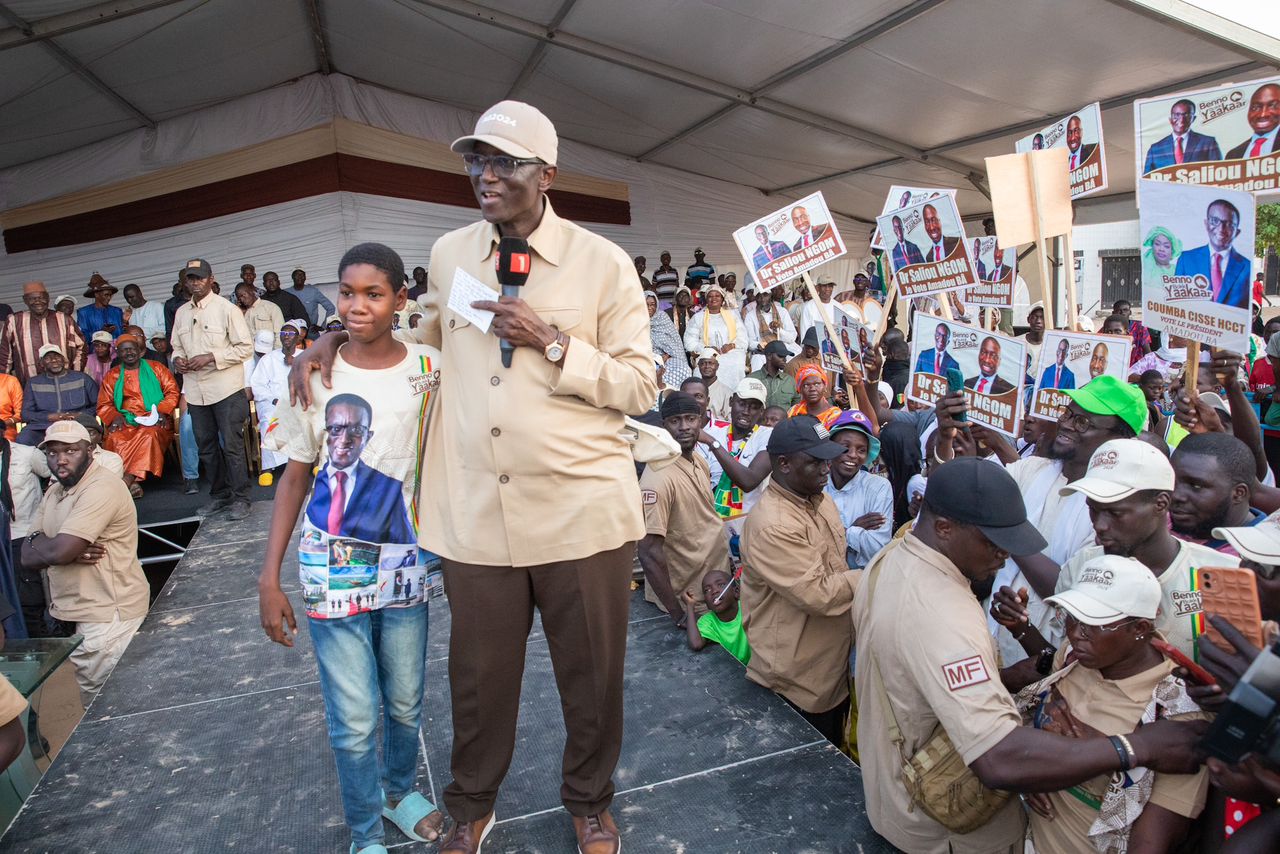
359,548
722,623
772,415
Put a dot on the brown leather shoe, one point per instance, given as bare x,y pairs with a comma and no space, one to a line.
597,834
466,838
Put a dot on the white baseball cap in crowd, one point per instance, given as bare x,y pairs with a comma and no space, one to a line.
709,353
53,348
515,128
1120,468
264,341
1110,588
1259,543
751,388
65,431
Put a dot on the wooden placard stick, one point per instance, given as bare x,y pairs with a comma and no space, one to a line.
1046,282
1191,383
1069,274
825,313
883,325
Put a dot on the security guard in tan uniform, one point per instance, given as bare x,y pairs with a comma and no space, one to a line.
684,536
926,663
796,587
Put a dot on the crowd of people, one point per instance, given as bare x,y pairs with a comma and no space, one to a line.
1008,636
1049,571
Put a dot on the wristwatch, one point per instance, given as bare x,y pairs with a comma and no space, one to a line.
555,350
715,444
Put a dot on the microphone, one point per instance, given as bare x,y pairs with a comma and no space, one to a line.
513,263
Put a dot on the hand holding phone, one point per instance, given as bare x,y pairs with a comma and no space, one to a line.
955,384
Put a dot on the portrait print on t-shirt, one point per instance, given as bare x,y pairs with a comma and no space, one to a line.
359,546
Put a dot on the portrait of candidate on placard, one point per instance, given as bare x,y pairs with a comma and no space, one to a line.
1080,133
997,272
1071,360
900,197
1224,136
926,248
789,241
1206,298
991,368
854,335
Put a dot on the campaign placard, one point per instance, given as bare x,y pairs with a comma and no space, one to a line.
789,241
854,335
1197,264
1071,360
991,364
1081,134
926,247
1225,136
900,197
997,273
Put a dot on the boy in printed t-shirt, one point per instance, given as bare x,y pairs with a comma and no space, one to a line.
722,623
363,576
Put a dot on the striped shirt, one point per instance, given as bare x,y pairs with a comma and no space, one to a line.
23,336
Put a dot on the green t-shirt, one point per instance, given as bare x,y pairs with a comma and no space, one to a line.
729,635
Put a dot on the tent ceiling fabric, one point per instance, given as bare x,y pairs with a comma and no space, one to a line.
924,75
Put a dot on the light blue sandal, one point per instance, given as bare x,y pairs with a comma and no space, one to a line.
413,809
375,848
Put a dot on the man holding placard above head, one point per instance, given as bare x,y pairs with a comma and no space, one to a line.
1226,270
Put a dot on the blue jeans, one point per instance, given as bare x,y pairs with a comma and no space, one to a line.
378,655
190,451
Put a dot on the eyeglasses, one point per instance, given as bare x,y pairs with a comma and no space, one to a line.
355,431
1214,222
503,165
1079,422
1071,624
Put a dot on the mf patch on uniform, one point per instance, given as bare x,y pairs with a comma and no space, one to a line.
648,496
966,672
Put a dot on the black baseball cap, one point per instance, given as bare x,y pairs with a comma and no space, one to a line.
976,492
197,267
776,348
803,434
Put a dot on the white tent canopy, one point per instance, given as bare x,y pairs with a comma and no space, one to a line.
712,113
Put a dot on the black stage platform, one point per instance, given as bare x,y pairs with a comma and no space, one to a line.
208,738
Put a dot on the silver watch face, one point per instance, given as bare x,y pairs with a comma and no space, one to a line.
555,351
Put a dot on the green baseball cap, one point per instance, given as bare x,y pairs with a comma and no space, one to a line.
1108,395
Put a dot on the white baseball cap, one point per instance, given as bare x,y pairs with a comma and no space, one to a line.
709,353
1110,588
1259,543
515,128
51,348
264,340
751,388
1121,468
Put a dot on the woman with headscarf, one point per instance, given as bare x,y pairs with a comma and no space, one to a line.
1160,255
811,382
667,345
723,331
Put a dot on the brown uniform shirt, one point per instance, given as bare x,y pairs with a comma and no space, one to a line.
677,507
796,593
1112,707
98,509
526,465
928,636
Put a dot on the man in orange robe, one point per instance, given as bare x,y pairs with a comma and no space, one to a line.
136,402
